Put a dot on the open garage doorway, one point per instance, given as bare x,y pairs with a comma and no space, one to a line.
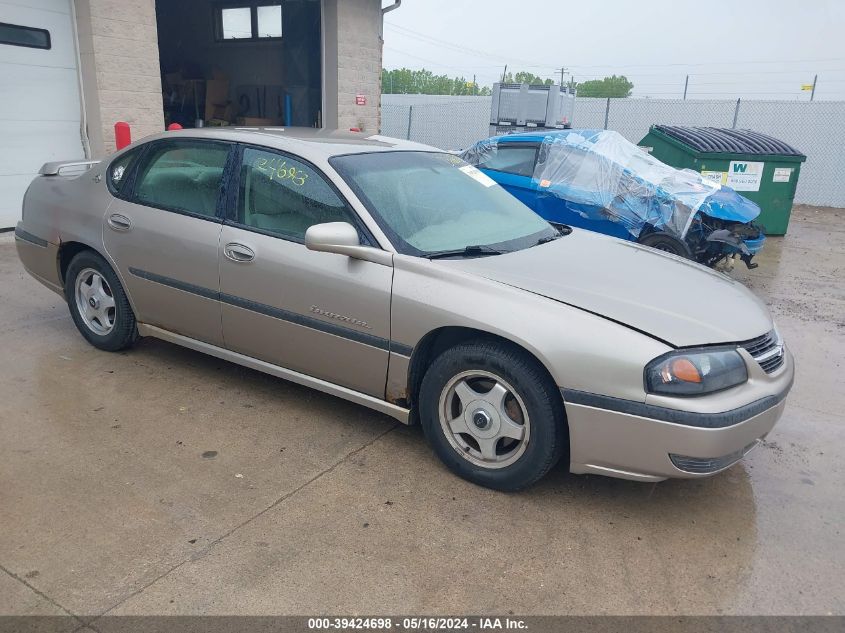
248,63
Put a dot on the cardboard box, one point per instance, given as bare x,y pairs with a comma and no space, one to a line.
223,112
216,97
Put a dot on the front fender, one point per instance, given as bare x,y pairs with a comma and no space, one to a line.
581,350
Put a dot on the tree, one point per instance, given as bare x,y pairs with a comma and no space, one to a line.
407,81
608,87
523,77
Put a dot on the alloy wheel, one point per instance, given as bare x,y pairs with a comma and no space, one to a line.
484,419
94,301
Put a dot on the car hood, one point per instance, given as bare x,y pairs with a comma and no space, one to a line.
672,299
727,204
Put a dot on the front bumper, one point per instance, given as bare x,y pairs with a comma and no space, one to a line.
752,246
755,245
637,441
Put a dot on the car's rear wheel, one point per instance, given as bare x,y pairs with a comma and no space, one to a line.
667,243
98,303
493,415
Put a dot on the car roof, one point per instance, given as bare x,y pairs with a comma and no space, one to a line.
308,142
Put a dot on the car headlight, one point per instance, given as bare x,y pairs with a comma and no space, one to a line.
695,372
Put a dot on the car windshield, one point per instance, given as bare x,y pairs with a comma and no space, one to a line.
431,203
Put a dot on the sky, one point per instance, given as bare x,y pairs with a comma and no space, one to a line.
750,49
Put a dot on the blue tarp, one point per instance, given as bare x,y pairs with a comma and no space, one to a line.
603,176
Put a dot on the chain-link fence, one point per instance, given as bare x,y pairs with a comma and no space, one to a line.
815,128
446,122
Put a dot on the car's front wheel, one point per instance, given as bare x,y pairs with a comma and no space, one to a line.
98,303
667,243
493,415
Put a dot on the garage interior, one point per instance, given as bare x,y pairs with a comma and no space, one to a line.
253,63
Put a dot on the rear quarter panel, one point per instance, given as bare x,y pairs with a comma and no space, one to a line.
68,209
61,209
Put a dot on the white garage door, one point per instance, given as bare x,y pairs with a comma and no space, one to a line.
39,100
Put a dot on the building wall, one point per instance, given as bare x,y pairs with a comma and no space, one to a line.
118,47
359,59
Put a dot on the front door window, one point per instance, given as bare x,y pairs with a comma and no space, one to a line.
283,196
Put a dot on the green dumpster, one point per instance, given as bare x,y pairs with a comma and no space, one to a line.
759,167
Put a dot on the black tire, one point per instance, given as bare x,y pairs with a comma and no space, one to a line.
123,331
667,243
548,438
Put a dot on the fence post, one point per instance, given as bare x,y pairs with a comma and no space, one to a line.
410,115
606,112
736,114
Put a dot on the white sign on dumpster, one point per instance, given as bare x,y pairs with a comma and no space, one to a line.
745,176
782,174
716,177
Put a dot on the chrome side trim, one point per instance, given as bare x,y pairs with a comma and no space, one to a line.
271,311
399,413
29,237
401,349
175,283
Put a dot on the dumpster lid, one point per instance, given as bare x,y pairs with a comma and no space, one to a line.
715,140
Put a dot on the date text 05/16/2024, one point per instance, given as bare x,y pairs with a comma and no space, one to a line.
415,623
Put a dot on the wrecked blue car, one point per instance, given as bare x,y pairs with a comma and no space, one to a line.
597,180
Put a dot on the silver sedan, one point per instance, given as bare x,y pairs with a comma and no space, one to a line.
399,277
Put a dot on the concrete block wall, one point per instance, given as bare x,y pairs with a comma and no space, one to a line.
359,59
118,46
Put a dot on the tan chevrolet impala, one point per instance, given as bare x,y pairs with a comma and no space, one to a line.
399,277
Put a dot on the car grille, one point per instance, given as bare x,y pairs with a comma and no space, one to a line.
767,350
705,465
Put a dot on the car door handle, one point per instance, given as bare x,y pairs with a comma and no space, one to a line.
119,222
238,252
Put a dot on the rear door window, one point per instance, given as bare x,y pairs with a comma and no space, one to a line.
514,159
120,170
183,176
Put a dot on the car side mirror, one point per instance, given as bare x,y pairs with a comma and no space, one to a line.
342,238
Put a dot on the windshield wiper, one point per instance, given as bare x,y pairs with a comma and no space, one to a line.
560,231
474,250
